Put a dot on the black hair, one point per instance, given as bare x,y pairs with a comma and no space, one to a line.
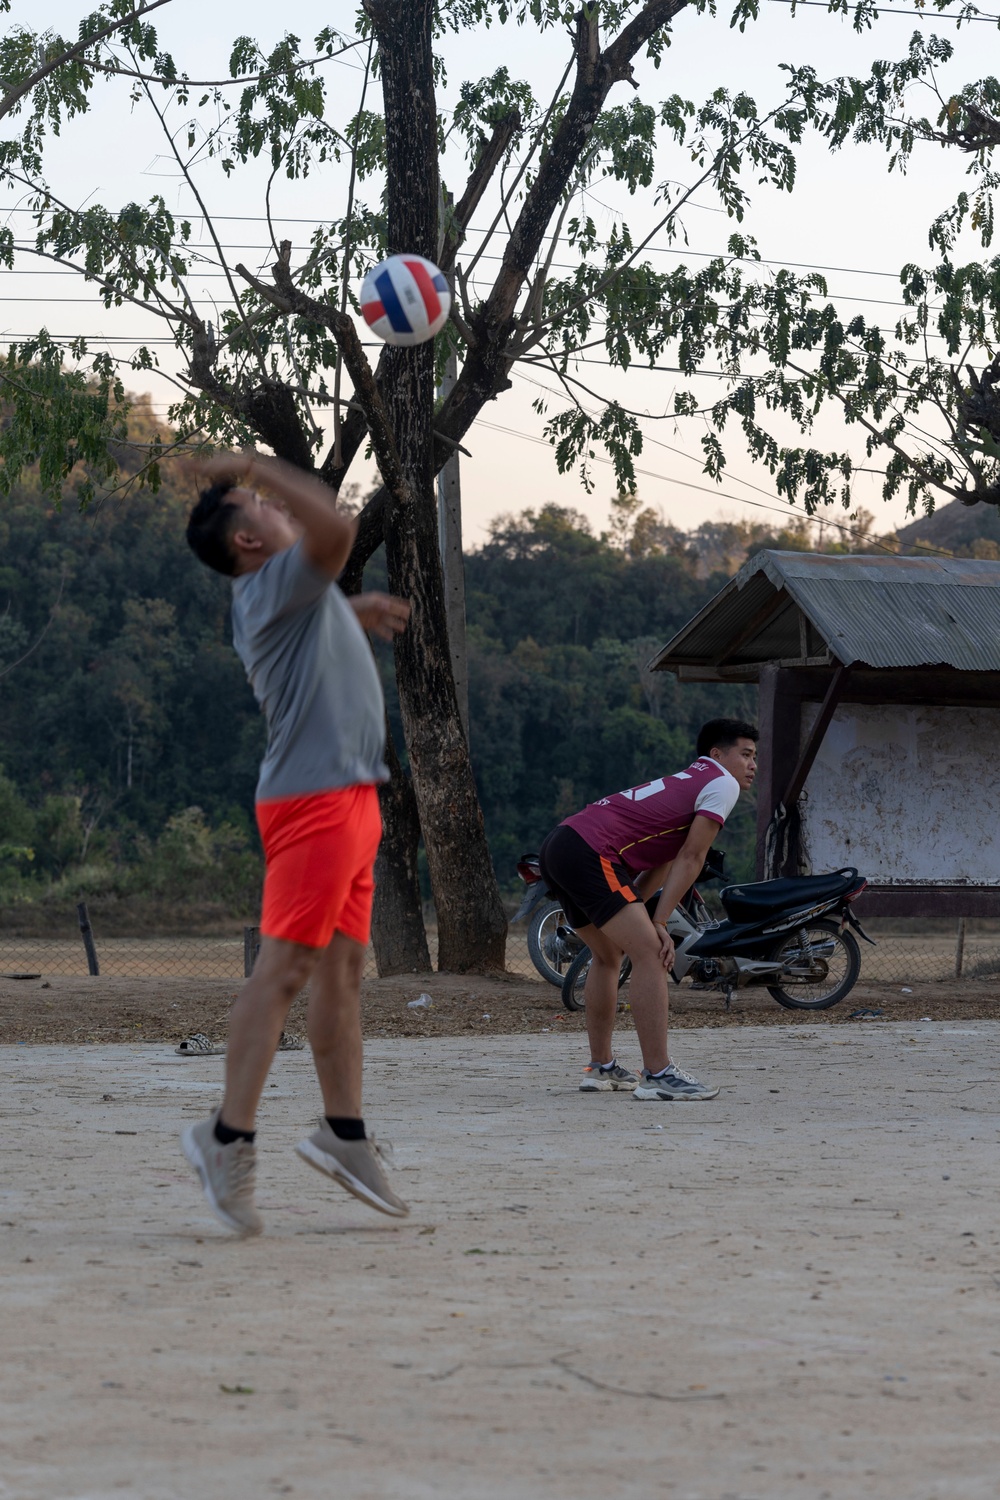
720,734
210,526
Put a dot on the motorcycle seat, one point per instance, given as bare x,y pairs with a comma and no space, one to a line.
749,903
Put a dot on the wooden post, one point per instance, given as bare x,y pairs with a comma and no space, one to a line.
960,948
816,735
778,752
251,947
452,559
87,933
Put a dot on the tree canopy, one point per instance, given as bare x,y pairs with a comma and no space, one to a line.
126,721
494,178
268,365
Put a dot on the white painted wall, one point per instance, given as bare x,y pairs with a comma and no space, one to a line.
908,795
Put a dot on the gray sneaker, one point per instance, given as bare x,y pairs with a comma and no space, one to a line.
599,1077
673,1084
356,1165
227,1175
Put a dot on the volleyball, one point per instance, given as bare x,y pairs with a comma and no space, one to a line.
405,300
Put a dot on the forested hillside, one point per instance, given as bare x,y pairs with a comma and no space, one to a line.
562,710
129,739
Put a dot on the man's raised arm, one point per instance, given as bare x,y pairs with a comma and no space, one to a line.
327,534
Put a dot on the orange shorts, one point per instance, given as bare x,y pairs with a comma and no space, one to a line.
320,851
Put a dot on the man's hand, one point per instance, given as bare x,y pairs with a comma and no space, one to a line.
666,945
383,614
219,466
327,533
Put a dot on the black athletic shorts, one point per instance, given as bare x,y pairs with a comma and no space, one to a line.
591,888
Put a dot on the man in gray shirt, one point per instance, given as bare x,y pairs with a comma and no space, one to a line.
308,661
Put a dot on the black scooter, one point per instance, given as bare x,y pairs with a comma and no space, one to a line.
791,936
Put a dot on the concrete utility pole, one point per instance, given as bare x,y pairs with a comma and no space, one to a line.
452,560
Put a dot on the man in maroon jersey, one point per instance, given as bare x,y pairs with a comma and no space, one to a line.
602,862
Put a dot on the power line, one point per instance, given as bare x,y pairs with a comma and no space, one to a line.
960,20
691,458
137,340
89,302
94,338
200,275
800,265
214,218
686,484
780,509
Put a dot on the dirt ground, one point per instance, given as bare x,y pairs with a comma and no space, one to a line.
67,1009
789,1293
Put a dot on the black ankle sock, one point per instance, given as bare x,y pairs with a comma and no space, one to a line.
346,1129
225,1135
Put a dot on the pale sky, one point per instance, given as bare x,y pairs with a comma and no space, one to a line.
846,214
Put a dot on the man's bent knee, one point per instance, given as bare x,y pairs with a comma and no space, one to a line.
285,966
344,960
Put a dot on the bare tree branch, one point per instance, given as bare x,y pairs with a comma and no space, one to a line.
883,438
13,96
189,179
485,372
533,146
172,314
113,69
492,154
338,459
290,299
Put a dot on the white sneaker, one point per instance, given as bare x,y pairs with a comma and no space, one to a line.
599,1077
228,1174
673,1083
356,1165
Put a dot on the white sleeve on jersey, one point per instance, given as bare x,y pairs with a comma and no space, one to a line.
718,798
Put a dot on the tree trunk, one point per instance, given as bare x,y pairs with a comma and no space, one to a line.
472,927
398,934
453,560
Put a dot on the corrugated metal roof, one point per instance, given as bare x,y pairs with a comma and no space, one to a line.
880,611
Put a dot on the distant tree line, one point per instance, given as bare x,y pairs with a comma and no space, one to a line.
129,739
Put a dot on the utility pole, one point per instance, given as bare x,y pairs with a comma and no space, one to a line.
452,560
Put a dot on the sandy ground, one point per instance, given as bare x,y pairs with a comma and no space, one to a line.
792,1291
116,1009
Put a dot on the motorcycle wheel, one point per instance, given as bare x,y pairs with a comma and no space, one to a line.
576,978
842,967
551,954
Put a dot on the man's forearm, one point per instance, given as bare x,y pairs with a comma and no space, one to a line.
307,498
683,873
328,533
648,882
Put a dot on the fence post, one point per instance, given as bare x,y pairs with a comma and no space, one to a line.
960,948
87,933
251,946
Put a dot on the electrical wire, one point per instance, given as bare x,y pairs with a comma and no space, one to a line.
800,265
199,275
781,510
924,15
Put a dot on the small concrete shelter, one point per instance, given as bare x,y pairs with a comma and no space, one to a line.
879,713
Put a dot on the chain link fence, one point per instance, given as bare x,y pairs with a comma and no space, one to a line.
224,956
918,952
908,952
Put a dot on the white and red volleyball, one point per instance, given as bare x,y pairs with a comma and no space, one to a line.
405,300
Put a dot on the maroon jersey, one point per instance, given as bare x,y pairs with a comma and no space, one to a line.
646,825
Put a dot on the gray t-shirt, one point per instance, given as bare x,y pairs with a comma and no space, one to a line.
312,672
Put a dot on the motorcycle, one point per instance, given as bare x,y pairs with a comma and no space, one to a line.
789,935
552,943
